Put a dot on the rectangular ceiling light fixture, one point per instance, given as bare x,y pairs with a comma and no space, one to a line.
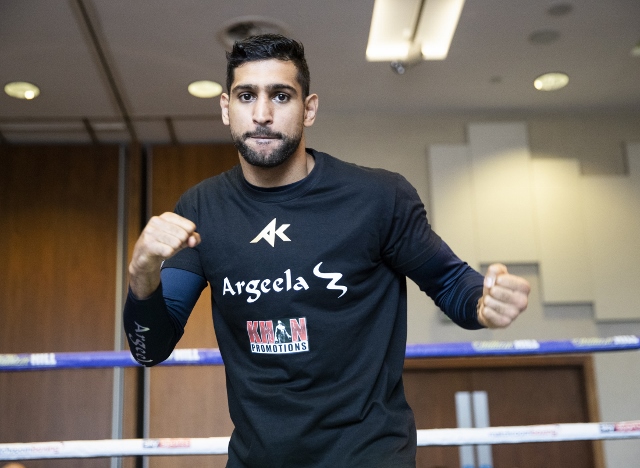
406,30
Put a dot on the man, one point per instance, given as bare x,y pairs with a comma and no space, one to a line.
293,235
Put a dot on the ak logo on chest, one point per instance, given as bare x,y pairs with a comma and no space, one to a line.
255,288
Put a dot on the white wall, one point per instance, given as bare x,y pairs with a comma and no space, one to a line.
596,142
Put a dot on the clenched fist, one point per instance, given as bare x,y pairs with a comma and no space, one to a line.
162,238
504,297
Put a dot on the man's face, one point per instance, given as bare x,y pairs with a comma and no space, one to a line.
266,112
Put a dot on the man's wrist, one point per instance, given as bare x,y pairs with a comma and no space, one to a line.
143,284
136,298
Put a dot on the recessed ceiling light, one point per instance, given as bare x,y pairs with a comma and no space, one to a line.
240,28
205,89
22,90
635,51
551,81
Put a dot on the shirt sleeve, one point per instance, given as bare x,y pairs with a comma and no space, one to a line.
453,285
409,241
187,259
154,325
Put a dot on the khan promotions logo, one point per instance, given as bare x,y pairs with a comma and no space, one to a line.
267,337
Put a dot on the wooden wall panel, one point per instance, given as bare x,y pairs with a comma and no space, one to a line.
174,169
525,396
430,394
188,401
58,224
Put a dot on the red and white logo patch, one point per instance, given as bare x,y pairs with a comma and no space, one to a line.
283,336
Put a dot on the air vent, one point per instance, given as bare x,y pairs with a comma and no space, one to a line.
246,26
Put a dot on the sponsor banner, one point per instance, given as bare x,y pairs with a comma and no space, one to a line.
505,345
167,443
606,342
525,432
628,426
622,427
626,340
10,360
36,360
114,448
30,451
185,355
82,360
43,359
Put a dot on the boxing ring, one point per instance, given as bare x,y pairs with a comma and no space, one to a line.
219,445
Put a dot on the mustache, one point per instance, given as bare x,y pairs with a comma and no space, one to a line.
262,133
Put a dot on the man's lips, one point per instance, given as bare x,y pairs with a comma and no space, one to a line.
263,134
263,139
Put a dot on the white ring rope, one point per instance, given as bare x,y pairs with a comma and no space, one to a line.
219,445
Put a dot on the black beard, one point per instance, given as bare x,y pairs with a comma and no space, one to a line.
288,146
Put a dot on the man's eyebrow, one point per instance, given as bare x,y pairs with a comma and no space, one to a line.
282,87
244,87
270,88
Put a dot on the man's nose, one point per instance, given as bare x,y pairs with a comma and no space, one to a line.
263,111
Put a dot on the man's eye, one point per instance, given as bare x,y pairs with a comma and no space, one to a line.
281,97
245,97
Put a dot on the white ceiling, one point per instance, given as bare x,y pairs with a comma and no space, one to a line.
153,49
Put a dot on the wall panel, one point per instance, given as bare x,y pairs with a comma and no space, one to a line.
503,193
58,224
453,216
133,377
612,204
582,230
188,401
565,267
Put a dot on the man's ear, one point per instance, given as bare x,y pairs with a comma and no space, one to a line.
224,105
310,109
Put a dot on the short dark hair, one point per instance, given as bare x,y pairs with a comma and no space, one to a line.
269,46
